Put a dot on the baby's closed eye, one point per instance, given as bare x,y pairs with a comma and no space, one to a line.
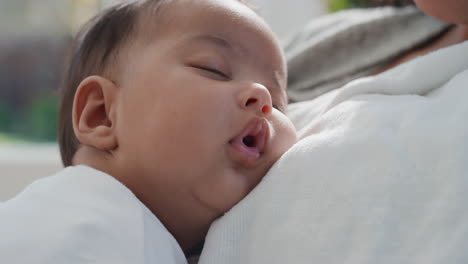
211,65
210,70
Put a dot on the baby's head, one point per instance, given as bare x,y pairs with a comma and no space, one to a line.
182,101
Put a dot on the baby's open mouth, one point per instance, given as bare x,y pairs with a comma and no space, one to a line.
250,143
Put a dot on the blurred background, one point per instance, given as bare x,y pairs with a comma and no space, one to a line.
34,36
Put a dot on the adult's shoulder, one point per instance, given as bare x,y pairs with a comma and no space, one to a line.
333,23
332,50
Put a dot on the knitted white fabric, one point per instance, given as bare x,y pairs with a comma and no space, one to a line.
380,177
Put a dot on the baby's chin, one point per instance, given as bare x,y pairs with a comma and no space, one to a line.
260,175
239,183
255,179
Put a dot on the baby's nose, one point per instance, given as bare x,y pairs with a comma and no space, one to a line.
257,98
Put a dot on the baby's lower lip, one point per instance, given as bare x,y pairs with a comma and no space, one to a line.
250,151
244,155
248,156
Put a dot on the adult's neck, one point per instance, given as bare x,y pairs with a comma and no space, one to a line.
463,32
457,34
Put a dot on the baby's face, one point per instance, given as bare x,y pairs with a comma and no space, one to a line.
201,114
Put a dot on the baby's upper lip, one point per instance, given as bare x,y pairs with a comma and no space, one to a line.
250,143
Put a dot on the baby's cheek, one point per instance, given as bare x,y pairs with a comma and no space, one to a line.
287,134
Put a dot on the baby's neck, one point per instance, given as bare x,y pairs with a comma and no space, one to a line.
186,223
188,229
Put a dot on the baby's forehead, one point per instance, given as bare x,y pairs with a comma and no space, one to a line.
228,21
215,23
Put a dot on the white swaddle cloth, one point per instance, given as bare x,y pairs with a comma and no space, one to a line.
382,177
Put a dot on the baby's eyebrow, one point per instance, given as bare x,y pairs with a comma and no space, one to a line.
215,40
220,42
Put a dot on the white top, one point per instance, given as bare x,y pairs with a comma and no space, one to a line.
81,215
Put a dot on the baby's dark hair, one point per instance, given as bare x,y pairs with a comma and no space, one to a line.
96,50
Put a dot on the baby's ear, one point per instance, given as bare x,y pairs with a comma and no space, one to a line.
94,111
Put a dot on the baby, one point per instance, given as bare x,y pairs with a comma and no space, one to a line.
183,103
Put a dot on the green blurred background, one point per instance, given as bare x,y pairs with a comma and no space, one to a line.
34,36
337,5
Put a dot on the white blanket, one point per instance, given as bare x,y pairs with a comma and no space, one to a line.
81,215
381,178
